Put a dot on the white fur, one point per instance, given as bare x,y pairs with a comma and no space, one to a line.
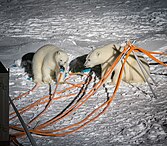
46,62
107,55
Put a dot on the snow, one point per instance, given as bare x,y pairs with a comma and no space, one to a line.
77,26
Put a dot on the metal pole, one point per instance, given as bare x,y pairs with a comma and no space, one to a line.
23,124
142,69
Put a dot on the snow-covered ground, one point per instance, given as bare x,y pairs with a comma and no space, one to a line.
77,26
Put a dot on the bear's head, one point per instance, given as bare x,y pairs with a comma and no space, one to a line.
61,58
94,58
101,55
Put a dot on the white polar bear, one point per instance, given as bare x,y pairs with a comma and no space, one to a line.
107,55
47,62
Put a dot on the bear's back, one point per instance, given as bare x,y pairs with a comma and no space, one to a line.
47,48
44,50
106,47
106,51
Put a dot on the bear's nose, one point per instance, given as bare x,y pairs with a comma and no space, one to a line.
85,64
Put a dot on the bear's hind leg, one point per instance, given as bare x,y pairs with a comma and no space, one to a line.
137,73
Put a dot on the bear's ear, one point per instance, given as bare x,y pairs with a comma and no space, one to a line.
97,53
58,52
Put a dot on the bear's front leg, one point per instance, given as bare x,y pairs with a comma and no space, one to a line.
46,74
113,77
37,74
117,72
38,78
104,68
47,78
60,76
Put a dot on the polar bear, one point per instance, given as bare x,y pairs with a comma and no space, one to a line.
107,55
47,62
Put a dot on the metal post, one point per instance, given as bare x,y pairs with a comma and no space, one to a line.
32,141
143,69
4,106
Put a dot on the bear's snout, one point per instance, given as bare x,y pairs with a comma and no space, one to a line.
86,64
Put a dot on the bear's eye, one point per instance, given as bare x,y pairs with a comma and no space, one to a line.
61,60
88,59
